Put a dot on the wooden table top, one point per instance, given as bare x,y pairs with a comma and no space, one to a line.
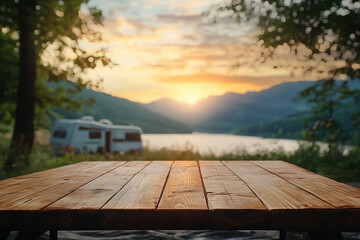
178,195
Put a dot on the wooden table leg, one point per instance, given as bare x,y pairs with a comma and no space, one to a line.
29,235
53,235
325,235
4,234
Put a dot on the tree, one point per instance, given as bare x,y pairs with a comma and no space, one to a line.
47,36
327,33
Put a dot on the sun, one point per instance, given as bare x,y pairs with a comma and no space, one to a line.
191,94
191,99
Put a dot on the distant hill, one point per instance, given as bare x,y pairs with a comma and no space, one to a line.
232,110
291,127
122,111
263,113
172,109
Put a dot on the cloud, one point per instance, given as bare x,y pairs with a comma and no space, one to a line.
138,24
132,37
174,49
192,18
168,65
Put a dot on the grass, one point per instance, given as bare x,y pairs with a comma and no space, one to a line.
339,166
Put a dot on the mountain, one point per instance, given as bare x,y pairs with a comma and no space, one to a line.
291,127
171,109
122,111
232,112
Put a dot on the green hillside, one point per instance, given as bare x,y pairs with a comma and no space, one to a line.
291,127
122,111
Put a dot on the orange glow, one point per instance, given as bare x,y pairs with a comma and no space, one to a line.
174,51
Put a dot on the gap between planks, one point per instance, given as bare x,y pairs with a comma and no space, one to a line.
37,193
122,163
203,185
143,190
292,183
93,194
123,185
163,189
225,190
184,188
341,196
275,192
245,184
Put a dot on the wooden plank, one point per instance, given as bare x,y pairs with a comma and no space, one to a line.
337,194
28,178
144,190
232,202
96,193
225,190
24,185
39,192
273,191
184,189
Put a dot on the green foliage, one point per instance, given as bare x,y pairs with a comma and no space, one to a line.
44,39
5,128
329,31
59,27
9,75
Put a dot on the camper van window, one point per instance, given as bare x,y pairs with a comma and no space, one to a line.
89,128
132,137
59,134
94,134
118,140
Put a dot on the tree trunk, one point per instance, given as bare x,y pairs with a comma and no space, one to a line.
23,135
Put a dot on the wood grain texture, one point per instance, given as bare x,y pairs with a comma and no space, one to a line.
273,191
96,193
183,189
29,178
166,195
225,190
144,190
47,187
337,194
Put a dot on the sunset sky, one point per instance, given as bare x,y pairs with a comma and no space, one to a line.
167,48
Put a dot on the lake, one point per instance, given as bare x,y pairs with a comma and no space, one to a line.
206,143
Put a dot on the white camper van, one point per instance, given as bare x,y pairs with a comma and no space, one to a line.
88,136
